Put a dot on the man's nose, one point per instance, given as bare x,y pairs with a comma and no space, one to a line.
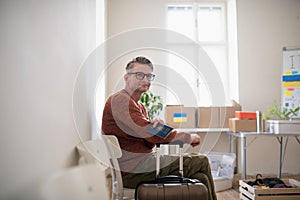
145,78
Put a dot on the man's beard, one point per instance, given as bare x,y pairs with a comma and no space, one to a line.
143,88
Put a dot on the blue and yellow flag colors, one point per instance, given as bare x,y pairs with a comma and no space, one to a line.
179,117
288,78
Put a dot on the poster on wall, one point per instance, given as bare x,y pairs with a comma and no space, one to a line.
291,60
290,97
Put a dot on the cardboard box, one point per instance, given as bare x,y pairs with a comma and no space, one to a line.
217,117
242,125
179,116
208,117
245,115
248,192
228,112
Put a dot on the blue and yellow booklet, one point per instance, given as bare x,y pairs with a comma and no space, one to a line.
161,130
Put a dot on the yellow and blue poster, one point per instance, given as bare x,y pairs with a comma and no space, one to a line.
291,79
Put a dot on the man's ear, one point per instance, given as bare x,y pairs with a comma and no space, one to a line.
125,77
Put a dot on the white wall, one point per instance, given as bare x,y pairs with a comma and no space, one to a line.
43,44
128,15
264,27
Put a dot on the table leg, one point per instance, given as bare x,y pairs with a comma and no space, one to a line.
281,152
298,140
280,156
243,156
230,143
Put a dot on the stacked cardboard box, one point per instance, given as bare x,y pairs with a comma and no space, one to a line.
179,116
243,122
217,117
242,125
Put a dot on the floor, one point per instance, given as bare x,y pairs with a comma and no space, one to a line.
231,194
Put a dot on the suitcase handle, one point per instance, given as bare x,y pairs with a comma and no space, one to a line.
177,142
175,179
170,179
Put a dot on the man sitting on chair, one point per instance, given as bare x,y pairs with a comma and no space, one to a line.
126,118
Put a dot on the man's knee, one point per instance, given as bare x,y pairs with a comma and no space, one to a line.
201,160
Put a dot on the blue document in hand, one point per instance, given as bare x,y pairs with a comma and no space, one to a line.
161,130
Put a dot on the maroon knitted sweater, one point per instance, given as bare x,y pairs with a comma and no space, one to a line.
127,120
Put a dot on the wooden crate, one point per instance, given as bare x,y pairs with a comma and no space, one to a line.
249,193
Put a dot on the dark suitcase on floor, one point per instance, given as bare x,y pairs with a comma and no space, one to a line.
171,187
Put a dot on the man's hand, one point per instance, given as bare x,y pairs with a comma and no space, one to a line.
195,140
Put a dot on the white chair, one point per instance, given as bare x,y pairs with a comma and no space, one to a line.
77,183
113,145
92,151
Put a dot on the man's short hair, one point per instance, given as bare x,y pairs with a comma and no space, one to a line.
140,60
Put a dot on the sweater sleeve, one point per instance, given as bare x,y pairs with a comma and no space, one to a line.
131,118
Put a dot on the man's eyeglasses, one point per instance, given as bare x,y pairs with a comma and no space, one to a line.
141,75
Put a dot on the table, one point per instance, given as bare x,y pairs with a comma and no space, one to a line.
201,130
211,137
280,138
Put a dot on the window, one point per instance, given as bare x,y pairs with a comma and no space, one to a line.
208,25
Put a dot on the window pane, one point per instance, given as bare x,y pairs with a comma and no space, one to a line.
188,79
204,98
210,23
205,23
218,55
180,19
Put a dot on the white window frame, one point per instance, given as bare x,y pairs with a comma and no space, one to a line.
230,72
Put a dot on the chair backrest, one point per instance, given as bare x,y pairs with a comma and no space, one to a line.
105,151
113,146
77,183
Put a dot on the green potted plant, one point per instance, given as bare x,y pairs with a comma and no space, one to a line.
281,119
153,104
277,113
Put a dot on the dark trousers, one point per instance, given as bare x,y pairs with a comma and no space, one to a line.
194,166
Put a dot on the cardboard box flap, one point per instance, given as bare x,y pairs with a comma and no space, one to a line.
234,103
